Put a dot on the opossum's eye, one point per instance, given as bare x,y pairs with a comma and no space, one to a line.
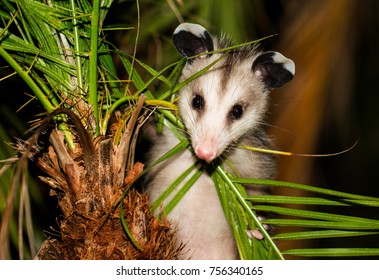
236,112
198,102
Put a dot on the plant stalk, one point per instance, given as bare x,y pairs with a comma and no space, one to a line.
93,56
77,48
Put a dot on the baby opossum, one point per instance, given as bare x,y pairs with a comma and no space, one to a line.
223,108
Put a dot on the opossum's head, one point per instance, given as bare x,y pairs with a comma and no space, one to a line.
230,99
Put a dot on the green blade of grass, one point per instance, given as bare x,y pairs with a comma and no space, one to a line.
156,74
93,58
181,146
310,200
316,215
125,225
182,191
77,47
248,210
24,48
235,217
317,234
274,183
333,252
42,33
321,224
158,202
137,80
109,70
55,77
190,79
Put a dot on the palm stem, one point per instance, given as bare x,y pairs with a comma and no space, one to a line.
79,71
93,62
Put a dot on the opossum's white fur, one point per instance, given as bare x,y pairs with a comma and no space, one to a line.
200,220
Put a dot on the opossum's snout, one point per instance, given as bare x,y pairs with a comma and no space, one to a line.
206,153
206,148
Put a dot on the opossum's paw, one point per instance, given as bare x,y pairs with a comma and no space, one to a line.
256,232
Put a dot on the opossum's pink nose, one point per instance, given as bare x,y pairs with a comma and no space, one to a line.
206,153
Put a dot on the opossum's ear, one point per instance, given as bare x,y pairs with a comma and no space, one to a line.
192,39
274,69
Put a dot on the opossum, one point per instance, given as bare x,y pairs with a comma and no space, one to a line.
221,109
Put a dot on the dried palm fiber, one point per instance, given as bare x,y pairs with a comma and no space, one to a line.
90,183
